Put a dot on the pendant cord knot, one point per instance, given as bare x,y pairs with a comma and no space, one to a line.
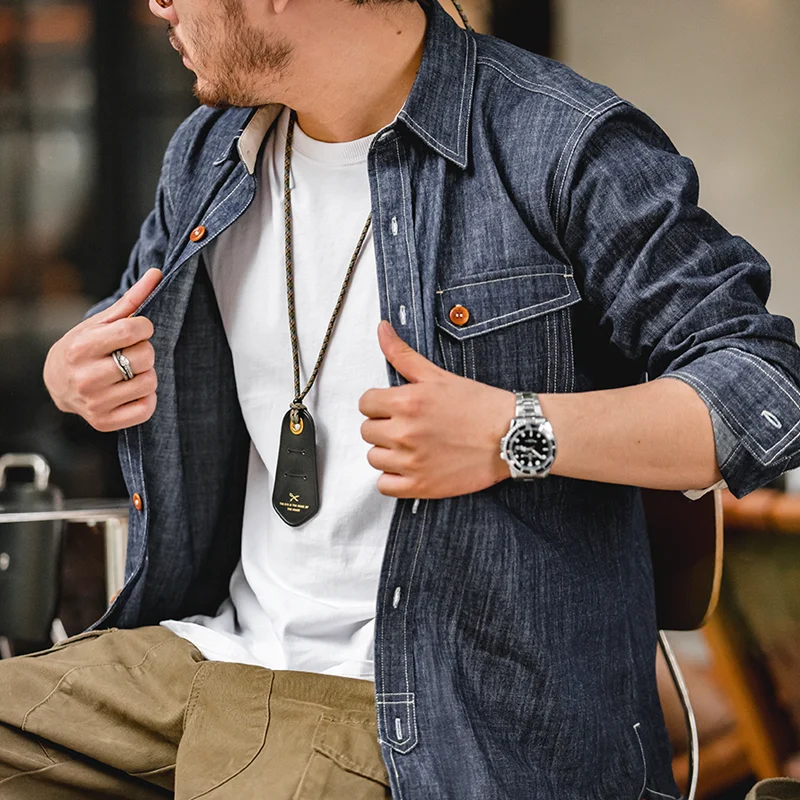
297,406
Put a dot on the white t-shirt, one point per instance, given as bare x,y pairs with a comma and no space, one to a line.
303,598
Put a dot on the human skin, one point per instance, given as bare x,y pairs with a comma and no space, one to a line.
439,435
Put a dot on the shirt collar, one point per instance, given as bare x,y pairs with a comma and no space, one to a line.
439,107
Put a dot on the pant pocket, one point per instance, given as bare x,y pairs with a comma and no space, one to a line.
345,761
225,725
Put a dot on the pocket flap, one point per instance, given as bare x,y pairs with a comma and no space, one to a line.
497,299
351,741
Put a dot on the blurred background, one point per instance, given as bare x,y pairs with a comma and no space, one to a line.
90,93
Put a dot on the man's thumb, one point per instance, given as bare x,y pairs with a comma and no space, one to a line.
133,298
407,361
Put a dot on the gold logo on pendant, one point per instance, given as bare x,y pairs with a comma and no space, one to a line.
294,505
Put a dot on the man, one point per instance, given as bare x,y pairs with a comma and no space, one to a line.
562,324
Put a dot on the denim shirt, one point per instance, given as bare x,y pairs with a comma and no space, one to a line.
515,632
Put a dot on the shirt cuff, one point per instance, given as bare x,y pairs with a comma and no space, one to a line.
755,413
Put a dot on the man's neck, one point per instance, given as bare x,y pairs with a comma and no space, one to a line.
355,80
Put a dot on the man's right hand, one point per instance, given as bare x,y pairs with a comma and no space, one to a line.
83,378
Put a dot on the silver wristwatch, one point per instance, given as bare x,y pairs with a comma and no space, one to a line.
529,447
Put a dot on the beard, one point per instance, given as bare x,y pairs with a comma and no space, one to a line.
235,63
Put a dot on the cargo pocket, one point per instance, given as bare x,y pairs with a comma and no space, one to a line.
510,328
345,761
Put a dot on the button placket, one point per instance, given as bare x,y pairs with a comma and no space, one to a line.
398,270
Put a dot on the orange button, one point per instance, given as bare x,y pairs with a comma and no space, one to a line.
198,233
459,315
138,503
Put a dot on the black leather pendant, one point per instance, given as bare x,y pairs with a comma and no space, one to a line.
296,493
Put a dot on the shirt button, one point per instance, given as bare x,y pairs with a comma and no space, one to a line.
459,315
198,233
138,503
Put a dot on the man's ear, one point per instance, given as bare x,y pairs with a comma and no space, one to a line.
279,6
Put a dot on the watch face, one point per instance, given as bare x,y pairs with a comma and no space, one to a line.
531,449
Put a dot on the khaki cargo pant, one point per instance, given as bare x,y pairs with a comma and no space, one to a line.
140,714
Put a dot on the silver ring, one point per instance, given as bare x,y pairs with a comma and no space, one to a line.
124,365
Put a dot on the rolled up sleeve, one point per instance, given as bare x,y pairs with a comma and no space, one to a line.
679,295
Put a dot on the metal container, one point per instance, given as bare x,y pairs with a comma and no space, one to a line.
30,552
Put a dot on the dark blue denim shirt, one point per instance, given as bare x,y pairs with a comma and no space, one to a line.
515,635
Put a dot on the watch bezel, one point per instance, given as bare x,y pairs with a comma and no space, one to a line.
518,470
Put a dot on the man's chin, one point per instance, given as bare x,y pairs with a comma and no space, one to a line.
207,96
213,97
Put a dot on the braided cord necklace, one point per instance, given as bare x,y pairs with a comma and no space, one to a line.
296,492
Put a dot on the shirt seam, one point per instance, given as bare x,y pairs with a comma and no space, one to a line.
534,88
578,134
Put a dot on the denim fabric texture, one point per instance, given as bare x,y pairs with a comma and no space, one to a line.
516,633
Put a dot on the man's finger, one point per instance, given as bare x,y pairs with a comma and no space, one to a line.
396,486
132,299
377,432
119,334
376,403
407,361
385,460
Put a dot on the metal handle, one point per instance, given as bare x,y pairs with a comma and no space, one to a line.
40,467
688,713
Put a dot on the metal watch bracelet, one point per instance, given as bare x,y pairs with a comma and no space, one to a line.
528,405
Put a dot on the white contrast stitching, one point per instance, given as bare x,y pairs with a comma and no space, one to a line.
557,332
432,139
443,351
571,351
426,136
386,591
470,44
483,330
400,165
580,129
763,367
410,588
779,445
167,181
534,88
483,324
733,421
128,451
382,246
396,776
471,343
228,196
611,102
463,91
549,359
661,794
644,760
560,274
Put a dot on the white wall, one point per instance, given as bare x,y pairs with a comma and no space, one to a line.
722,77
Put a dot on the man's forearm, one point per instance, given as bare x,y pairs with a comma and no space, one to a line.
656,435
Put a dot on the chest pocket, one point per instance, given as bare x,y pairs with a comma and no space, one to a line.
510,328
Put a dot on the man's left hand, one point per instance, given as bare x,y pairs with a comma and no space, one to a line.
437,436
